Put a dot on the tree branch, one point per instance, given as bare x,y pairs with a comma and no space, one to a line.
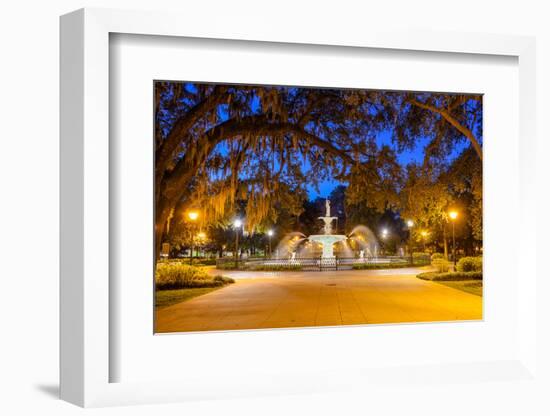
453,122
187,167
169,146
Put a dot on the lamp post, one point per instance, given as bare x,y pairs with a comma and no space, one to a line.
454,215
385,233
237,225
269,235
201,238
424,235
410,224
193,216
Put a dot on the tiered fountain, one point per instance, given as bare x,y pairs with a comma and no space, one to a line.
300,249
327,240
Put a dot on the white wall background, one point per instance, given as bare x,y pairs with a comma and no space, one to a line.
29,183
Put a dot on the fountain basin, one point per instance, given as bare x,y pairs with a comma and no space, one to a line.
327,242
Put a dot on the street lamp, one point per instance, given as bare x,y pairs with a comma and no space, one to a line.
201,237
237,224
269,235
410,224
424,234
454,215
193,216
385,233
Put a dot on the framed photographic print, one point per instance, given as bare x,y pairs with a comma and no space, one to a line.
291,212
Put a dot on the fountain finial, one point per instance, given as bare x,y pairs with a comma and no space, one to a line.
327,219
327,239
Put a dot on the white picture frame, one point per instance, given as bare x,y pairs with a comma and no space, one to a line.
85,165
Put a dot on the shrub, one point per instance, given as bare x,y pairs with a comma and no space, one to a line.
438,256
205,262
451,276
421,259
223,279
376,266
227,265
441,265
470,264
197,261
178,276
276,267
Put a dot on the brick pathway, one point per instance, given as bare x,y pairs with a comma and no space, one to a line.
301,299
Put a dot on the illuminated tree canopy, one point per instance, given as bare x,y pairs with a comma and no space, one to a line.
254,149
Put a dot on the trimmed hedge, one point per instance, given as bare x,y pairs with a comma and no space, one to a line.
421,259
451,276
441,265
197,261
470,264
438,256
377,266
275,267
227,265
179,276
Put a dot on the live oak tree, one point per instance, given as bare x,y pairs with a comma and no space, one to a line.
426,200
429,194
465,178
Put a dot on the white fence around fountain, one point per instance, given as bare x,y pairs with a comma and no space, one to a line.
317,263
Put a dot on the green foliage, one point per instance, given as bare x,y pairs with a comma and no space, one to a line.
378,266
421,259
451,276
425,198
374,183
276,268
475,287
230,265
465,176
164,298
441,265
198,261
227,265
438,256
177,276
470,264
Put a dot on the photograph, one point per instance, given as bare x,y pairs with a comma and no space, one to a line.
290,206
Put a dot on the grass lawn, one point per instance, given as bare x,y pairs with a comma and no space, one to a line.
474,287
166,298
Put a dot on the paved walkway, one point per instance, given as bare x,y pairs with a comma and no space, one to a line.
301,299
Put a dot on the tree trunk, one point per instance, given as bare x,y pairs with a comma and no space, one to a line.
162,213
